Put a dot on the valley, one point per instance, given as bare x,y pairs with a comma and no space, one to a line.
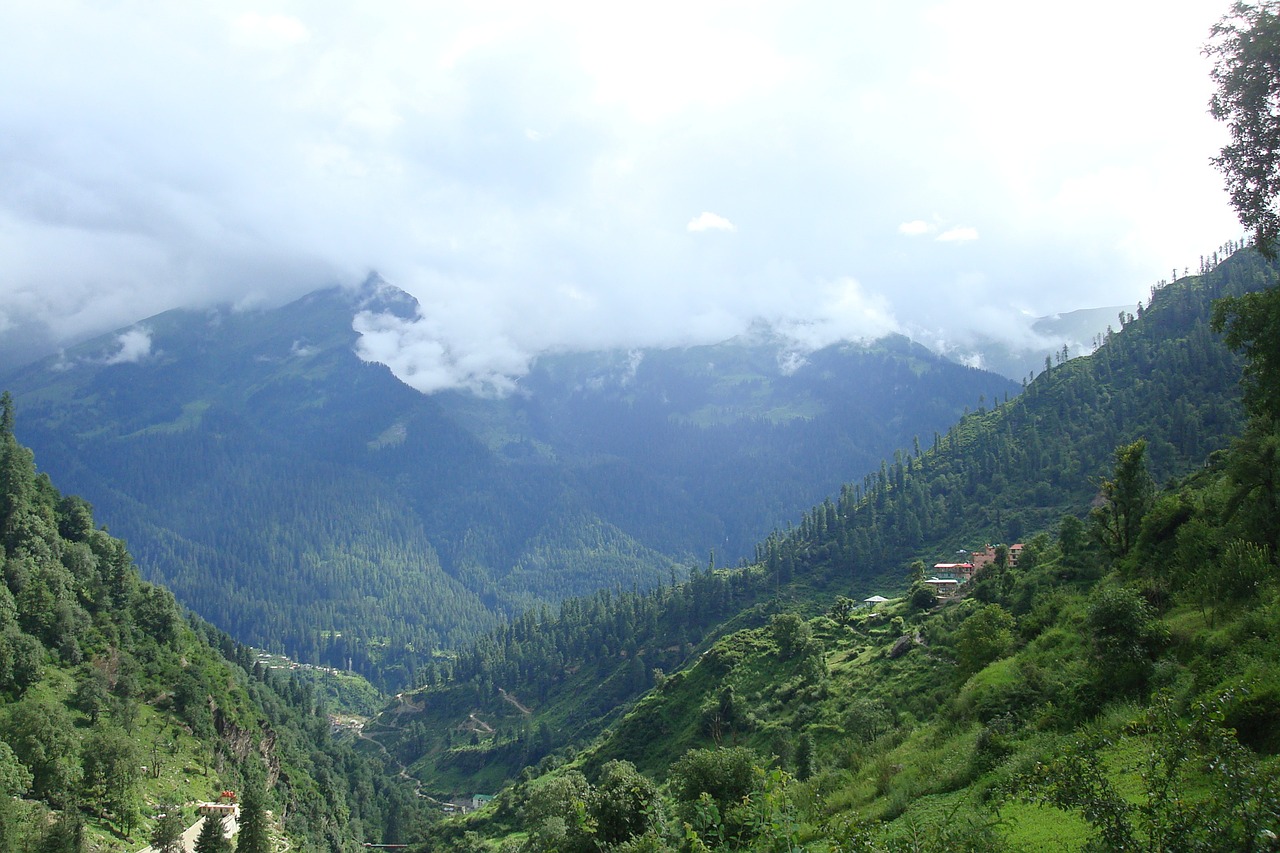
1112,631
1053,701
704,476
309,503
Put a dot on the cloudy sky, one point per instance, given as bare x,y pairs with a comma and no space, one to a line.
599,174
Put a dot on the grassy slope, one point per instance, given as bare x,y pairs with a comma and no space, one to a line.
914,748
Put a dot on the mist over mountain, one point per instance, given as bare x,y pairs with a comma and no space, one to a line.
307,500
1018,351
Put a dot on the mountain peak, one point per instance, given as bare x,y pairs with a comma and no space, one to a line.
379,296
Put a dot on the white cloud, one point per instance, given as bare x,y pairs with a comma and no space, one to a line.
958,234
677,57
420,353
135,345
707,221
257,30
847,313
287,148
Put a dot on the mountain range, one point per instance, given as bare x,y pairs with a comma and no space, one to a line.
1110,683
309,502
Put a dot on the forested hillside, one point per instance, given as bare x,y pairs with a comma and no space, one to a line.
117,709
352,521
1004,475
1114,688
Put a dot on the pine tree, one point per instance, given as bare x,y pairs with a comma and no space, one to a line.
166,837
804,757
66,835
1127,497
212,838
255,834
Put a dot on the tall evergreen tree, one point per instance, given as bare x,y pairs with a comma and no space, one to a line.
1127,496
66,835
1246,52
255,833
212,837
1250,323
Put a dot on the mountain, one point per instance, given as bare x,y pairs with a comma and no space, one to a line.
1112,686
308,502
777,657
119,709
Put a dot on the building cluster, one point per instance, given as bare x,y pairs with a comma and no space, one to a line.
947,578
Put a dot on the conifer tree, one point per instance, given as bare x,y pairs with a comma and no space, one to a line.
212,838
255,834
66,835
166,836
1127,496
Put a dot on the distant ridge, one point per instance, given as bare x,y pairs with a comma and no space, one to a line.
307,501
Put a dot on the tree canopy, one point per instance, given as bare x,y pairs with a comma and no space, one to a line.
1245,48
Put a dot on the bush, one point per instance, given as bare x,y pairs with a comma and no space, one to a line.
727,776
983,637
1126,637
922,597
624,804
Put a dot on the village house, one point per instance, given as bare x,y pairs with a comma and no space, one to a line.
982,559
943,587
464,805
987,556
959,572
222,810
947,578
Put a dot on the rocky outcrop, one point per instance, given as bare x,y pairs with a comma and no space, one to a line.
243,743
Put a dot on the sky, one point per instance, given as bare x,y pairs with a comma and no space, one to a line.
569,176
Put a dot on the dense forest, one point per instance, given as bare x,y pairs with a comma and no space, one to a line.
1114,687
600,659
119,710
1128,654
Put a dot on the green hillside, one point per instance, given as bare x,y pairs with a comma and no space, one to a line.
1128,655
998,475
116,707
